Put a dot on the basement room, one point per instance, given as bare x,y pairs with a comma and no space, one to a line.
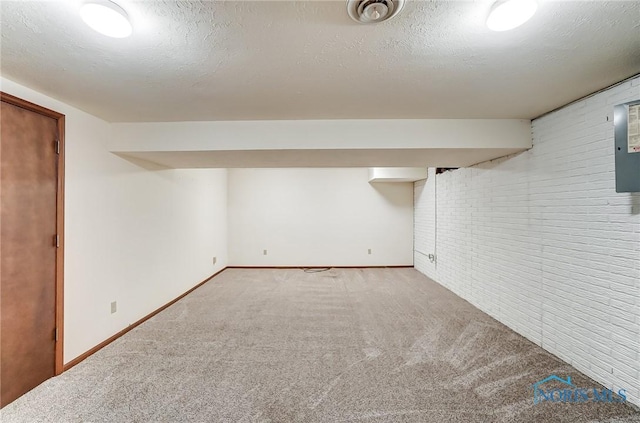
320,211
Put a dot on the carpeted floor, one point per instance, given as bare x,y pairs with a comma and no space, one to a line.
375,345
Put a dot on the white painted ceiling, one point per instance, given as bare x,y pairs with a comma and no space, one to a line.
239,60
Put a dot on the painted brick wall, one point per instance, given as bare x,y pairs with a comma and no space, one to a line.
543,243
424,224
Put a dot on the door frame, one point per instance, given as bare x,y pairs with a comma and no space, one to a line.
60,119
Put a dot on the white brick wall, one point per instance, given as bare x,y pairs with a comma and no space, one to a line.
542,242
424,224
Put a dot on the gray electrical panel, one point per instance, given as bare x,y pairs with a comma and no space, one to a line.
626,119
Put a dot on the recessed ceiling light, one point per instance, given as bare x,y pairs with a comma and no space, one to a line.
107,18
509,14
373,11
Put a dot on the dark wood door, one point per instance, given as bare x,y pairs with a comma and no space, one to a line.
28,196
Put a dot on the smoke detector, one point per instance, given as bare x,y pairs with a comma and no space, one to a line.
373,11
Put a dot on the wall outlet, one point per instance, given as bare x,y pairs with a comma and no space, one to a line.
369,250
215,260
264,252
114,307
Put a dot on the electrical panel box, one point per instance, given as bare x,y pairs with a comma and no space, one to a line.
626,120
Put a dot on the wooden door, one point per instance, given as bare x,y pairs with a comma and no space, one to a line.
29,157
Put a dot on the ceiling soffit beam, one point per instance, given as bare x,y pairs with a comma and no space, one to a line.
401,142
321,134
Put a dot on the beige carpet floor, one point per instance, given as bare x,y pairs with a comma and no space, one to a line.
374,345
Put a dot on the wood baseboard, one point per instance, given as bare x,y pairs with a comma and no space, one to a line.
399,266
109,340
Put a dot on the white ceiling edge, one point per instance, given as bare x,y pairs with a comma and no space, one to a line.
416,157
397,174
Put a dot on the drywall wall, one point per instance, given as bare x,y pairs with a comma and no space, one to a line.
542,242
316,217
134,234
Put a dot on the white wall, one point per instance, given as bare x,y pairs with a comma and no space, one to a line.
316,217
134,235
542,242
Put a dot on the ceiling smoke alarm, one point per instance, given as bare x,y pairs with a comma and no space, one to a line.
373,11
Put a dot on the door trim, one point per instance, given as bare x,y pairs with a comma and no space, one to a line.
60,118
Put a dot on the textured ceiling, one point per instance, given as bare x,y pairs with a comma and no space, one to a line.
205,60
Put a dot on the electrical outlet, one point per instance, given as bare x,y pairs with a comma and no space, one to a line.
215,260
264,252
114,307
369,250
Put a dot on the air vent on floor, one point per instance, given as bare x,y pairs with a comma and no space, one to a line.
373,11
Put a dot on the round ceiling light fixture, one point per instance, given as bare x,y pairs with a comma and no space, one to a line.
373,11
509,14
107,18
